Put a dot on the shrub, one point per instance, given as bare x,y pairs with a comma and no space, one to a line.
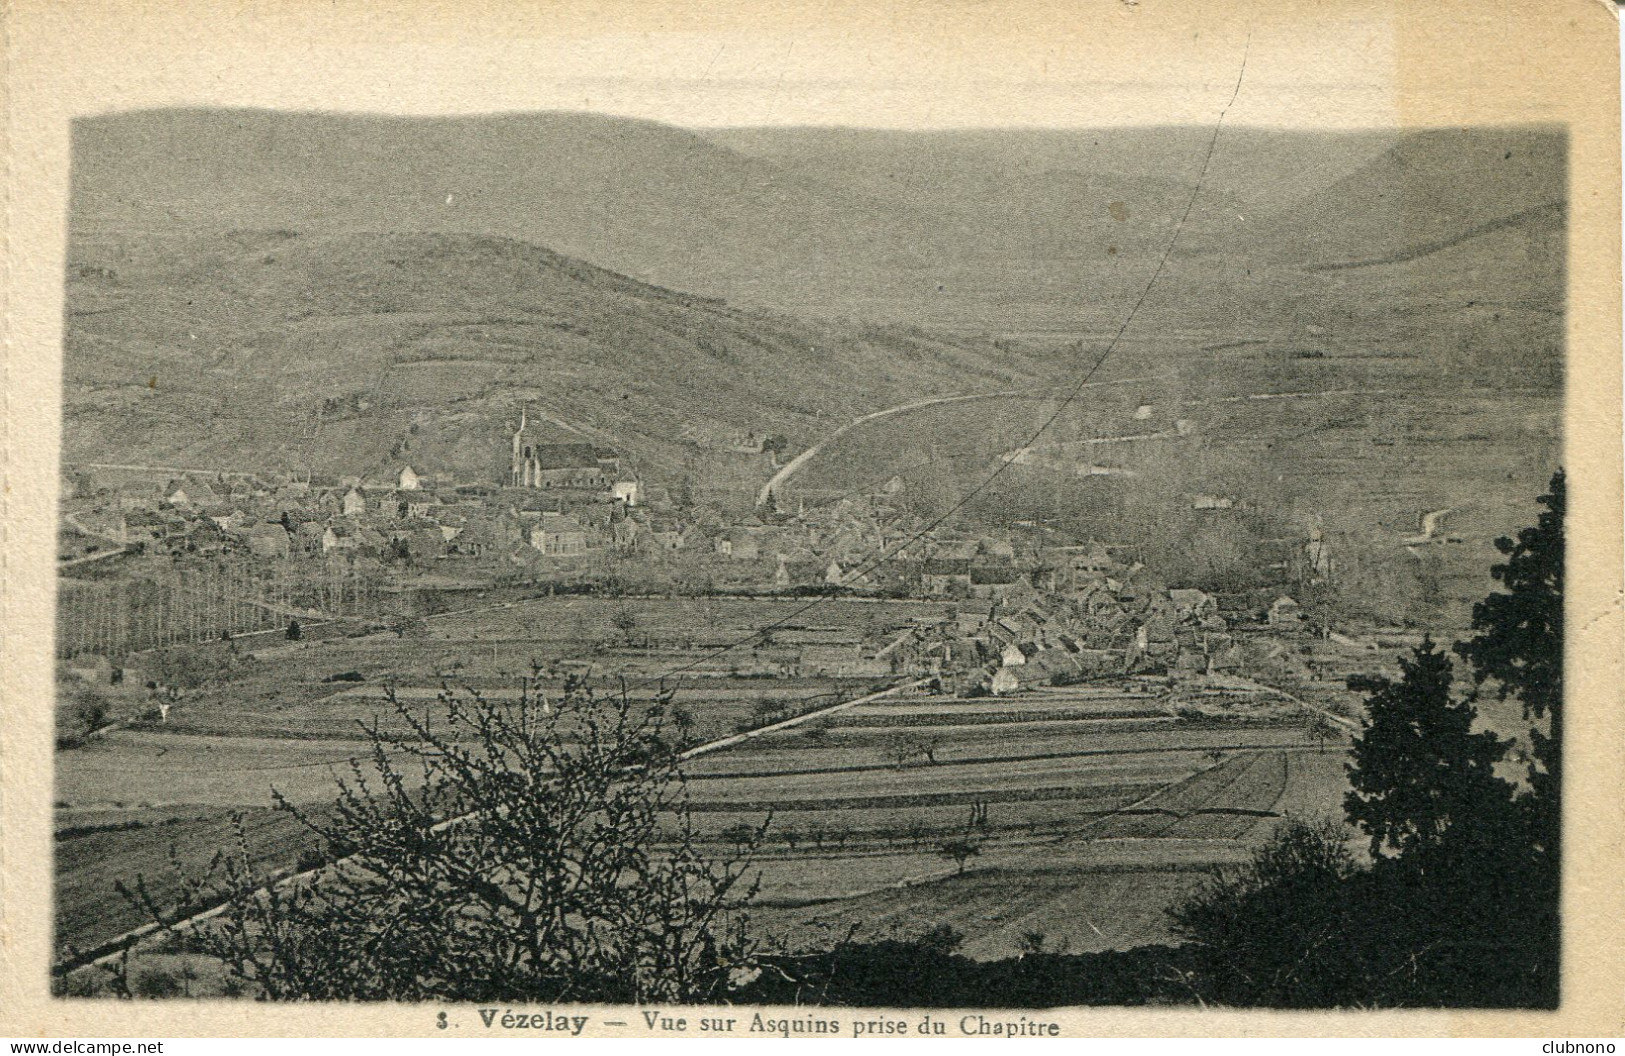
1267,930
548,855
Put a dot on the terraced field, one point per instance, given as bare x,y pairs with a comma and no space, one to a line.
1090,810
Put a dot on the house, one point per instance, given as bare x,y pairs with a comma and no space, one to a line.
426,540
369,542
201,494
354,503
426,506
176,495
656,497
1004,682
478,538
1284,612
408,480
667,539
226,517
741,544
834,576
559,536
1193,604
268,540
941,578
996,582
624,491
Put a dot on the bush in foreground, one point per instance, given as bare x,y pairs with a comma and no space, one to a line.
547,855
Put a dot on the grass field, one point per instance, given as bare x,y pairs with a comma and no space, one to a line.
1082,884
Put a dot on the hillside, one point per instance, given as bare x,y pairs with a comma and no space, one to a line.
642,198
1062,228
1000,231
353,353
233,304
1430,188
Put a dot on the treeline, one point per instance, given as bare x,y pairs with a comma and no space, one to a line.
198,604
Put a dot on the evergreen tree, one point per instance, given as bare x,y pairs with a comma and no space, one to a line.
1419,771
1519,650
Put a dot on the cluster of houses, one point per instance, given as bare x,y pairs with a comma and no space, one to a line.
1095,619
1096,625
579,505
412,516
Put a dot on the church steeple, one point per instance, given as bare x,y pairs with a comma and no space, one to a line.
519,432
518,474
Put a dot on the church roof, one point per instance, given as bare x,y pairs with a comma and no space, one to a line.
569,456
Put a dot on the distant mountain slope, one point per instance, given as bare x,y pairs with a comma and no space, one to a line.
357,353
1251,165
1432,187
990,231
638,197
1070,222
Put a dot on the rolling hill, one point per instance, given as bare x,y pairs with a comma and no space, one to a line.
342,294
990,231
354,353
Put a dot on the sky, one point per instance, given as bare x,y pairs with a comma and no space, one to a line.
947,64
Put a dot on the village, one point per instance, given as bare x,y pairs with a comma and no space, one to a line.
151,561
245,623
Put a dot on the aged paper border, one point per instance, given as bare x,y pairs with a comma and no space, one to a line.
1451,62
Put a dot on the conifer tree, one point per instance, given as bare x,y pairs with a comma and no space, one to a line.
1518,651
1419,770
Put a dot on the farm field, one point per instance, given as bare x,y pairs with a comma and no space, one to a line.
1085,828
272,720
147,844
1084,885
1072,797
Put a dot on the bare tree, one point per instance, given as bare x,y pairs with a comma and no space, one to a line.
959,851
547,854
625,621
903,746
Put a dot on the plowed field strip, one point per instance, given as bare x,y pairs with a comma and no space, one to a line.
948,760
964,796
950,777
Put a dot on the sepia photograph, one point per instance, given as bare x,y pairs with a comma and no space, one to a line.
697,523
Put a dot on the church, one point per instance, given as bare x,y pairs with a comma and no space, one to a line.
539,465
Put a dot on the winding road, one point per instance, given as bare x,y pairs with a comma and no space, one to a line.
789,469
